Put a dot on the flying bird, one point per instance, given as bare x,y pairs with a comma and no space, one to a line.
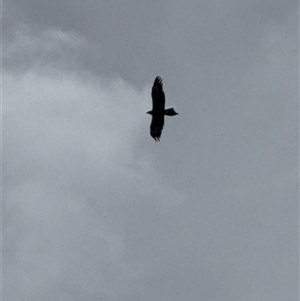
158,111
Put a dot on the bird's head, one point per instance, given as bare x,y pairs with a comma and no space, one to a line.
149,112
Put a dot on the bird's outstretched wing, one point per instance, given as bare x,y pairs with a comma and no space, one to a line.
156,127
158,95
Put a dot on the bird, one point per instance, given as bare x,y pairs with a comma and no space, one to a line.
158,111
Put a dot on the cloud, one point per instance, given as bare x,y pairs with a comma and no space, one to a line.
28,48
93,208
70,172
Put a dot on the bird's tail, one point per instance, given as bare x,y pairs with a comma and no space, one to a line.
170,112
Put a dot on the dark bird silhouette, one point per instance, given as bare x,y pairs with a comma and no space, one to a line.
158,111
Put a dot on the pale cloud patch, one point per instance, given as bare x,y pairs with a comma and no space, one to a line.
71,176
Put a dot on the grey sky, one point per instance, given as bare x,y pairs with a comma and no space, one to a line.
93,208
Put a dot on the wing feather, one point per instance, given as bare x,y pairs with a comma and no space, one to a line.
156,127
158,95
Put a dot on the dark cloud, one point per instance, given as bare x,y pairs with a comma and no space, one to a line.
139,40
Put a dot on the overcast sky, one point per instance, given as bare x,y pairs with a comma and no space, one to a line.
95,209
